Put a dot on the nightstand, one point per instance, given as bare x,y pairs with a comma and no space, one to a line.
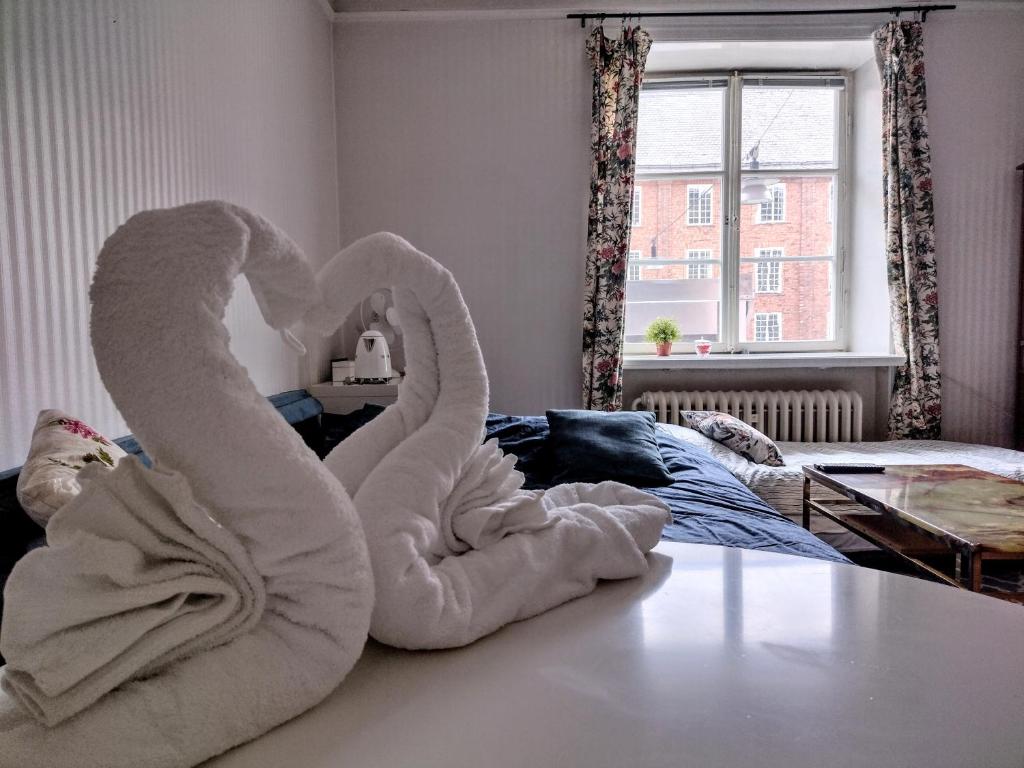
345,398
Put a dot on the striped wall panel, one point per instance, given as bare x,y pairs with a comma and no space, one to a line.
471,139
108,107
976,122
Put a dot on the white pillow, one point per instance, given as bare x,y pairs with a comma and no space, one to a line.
61,447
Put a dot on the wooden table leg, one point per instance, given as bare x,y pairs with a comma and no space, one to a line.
807,503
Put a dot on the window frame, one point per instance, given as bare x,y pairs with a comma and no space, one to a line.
704,262
730,176
761,259
775,204
778,323
690,188
636,218
632,257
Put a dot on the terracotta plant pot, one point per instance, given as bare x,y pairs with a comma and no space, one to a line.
664,348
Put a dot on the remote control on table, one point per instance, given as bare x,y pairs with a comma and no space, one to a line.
853,469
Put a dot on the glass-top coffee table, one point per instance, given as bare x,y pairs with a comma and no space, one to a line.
945,519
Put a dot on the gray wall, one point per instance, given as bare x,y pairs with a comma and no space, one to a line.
110,107
471,139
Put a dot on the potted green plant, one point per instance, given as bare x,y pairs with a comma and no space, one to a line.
663,331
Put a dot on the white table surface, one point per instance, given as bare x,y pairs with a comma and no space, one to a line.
718,657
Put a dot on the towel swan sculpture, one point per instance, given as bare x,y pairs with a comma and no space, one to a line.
183,610
154,633
457,549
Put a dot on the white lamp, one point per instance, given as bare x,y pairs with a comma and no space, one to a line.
756,189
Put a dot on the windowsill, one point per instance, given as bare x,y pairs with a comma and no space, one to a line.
762,360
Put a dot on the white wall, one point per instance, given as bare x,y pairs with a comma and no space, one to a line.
471,140
975,70
110,107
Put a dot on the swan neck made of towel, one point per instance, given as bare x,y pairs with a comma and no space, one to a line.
445,379
238,478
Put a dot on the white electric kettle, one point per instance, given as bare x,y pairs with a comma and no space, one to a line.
373,359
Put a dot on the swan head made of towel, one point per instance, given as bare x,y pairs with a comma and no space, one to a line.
458,549
182,610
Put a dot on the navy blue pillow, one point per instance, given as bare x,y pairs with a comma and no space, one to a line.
591,446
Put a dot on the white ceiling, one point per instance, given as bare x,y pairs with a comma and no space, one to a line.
725,55
618,5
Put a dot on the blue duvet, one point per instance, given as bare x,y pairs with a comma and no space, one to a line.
709,505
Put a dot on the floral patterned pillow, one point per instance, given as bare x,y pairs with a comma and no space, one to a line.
61,447
736,435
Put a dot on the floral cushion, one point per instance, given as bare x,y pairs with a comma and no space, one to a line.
736,435
61,447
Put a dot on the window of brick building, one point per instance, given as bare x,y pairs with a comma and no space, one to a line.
698,271
717,158
768,326
698,205
768,271
636,218
773,211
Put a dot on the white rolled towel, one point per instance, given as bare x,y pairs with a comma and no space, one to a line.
144,576
458,549
183,610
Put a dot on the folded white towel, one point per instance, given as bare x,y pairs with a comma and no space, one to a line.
184,610
457,548
144,577
487,502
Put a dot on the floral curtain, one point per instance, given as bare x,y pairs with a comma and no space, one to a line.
915,409
618,68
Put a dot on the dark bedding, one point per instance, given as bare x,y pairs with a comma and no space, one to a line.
709,505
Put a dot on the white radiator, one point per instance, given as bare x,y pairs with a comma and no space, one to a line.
818,416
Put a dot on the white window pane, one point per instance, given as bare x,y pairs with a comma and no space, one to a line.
637,209
789,127
799,215
689,293
804,231
680,130
694,304
799,292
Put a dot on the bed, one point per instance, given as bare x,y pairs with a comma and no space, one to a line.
709,505
782,487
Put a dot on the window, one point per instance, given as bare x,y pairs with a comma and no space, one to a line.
638,198
768,326
752,169
698,271
773,211
698,205
632,268
768,272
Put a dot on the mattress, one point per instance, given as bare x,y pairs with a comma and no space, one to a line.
709,505
782,487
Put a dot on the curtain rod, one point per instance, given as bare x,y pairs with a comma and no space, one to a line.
924,10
